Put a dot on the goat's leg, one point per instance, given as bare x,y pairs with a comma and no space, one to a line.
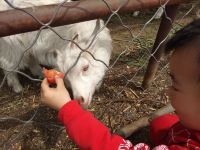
8,63
13,81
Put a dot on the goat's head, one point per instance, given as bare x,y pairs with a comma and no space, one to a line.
83,73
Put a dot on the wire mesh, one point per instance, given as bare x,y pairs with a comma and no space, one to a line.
27,124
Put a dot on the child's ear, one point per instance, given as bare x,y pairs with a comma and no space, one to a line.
74,39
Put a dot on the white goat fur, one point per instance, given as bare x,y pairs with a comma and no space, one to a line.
52,51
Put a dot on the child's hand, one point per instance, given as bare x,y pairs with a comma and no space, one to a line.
54,97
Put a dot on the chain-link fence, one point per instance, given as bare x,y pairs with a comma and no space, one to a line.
123,96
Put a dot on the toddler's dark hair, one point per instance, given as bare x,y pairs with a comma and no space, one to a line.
184,36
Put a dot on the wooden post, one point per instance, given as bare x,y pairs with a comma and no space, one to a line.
158,49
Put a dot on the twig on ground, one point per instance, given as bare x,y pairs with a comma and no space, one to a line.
128,130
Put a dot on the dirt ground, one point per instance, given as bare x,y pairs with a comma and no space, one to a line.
26,124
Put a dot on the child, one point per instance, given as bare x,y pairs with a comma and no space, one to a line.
172,132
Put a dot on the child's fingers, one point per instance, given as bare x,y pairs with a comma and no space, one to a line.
45,90
45,84
59,82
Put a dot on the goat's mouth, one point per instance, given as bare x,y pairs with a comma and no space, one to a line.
82,102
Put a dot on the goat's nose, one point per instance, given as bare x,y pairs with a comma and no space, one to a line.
80,100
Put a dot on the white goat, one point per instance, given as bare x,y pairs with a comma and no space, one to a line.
50,50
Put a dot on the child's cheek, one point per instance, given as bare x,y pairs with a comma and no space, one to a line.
170,93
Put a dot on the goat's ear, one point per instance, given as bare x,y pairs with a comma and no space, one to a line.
74,39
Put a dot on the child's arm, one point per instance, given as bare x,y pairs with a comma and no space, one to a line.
86,131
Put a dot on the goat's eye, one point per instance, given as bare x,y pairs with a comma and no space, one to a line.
85,68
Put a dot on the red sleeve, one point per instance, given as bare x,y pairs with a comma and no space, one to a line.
160,126
87,132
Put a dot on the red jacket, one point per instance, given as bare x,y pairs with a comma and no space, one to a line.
90,134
